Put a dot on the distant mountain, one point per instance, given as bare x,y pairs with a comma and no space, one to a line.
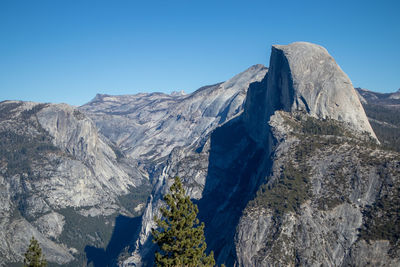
384,99
383,111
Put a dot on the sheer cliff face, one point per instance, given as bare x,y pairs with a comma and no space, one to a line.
304,77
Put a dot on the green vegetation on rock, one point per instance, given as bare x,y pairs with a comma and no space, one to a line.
321,127
80,230
287,193
18,151
22,145
136,196
288,190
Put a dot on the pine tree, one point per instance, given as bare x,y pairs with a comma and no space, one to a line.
180,236
33,255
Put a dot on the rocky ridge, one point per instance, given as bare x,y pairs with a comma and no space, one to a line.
55,167
148,127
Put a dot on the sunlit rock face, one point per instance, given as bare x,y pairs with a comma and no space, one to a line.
304,77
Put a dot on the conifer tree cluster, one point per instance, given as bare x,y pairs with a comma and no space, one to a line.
180,236
33,255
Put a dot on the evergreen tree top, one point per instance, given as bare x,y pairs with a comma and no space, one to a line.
180,236
33,255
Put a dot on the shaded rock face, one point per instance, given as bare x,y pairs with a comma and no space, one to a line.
58,177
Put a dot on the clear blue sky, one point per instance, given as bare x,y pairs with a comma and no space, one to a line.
69,50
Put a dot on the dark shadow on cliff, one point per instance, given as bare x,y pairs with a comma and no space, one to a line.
238,165
125,230
233,179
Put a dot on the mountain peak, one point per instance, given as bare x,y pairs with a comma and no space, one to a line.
304,77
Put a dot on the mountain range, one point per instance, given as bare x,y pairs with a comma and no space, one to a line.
289,165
